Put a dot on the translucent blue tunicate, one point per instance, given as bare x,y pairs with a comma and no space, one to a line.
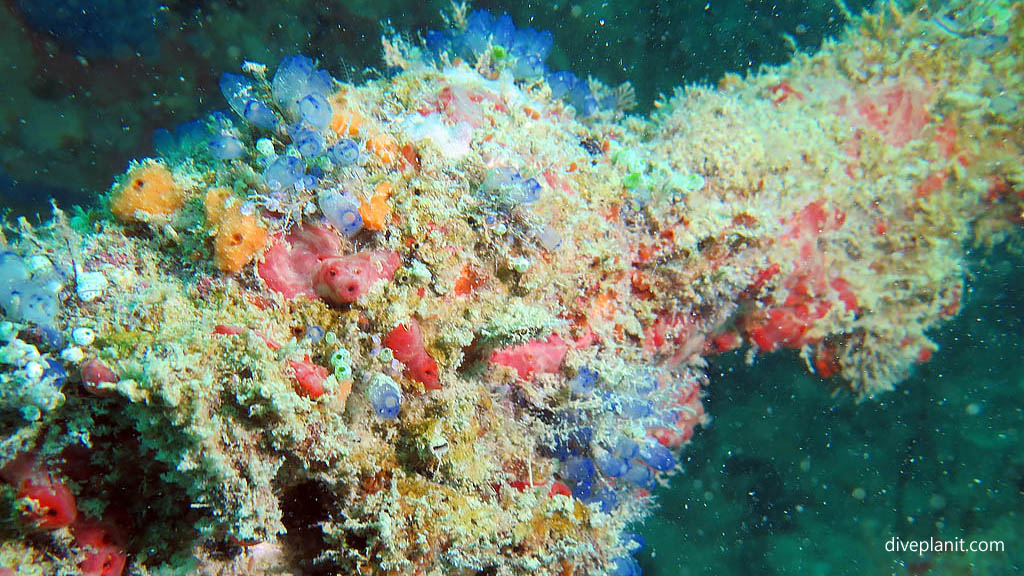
529,66
606,499
657,456
316,111
578,469
549,238
306,182
582,489
28,297
260,115
344,152
529,191
40,306
572,441
55,373
385,396
499,179
187,138
314,333
505,187
625,567
341,211
290,79
295,79
308,142
584,382
583,99
639,475
633,542
282,172
580,437
478,31
437,41
13,272
610,465
237,90
532,42
562,83
191,133
164,142
502,31
226,147
625,447
634,408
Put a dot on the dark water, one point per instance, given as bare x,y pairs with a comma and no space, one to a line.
788,479
85,83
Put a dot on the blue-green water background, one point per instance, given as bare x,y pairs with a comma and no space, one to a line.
788,478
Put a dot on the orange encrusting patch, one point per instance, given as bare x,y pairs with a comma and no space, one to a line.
384,147
468,281
346,121
376,210
150,190
239,236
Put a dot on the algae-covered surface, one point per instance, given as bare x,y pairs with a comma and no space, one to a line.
473,314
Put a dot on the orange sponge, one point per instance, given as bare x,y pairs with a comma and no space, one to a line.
148,190
239,236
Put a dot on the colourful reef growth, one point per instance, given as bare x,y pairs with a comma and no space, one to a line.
249,354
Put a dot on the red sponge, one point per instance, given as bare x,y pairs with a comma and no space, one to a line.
406,342
52,503
104,553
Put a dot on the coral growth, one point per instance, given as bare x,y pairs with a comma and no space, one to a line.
478,219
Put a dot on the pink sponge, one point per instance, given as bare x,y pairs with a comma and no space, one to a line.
308,262
343,280
534,357
290,261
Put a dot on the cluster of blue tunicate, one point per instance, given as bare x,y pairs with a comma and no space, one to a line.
385,396
297,103
633,462
597,467
565,84
526,49
301,91
626,565
29,290
98,28
522,51
216,134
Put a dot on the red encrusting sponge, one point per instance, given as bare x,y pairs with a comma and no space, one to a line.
406,342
